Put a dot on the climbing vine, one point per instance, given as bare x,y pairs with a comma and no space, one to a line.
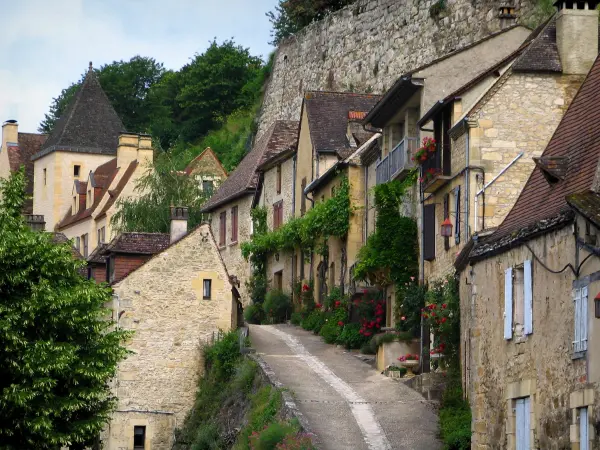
310,232
257,284
390,253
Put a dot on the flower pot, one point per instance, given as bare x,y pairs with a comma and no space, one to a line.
409,365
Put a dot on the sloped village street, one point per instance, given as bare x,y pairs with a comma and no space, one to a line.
347,404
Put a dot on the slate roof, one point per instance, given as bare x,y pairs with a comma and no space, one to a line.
206,153
280,136
138,243
587,204
542,205
98,256
89,124
20,155
60,238
542,54
328,115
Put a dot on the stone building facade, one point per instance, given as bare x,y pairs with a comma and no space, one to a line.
207,170
173,304
364,47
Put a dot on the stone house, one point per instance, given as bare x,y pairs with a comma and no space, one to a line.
16,150
530,297
207,170
275,193
488,131
230,205
173,303
398,111
123,254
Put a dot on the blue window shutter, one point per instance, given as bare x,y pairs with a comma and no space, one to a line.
457,210
528,284
508,301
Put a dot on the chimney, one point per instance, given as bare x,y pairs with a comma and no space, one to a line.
35,222
577,35
179,222
10,132
127,149
507,15
145,152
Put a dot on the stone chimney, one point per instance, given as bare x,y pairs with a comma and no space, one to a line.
127,149
35,222
10,132
179,222
577,35
507,15
145,153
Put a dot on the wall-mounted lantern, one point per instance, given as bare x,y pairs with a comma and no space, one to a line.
446,228
597,306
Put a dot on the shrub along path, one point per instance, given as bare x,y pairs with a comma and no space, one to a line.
348,404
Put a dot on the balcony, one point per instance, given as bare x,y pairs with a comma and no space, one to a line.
398,162
439,176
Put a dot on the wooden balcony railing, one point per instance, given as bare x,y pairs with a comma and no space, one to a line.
398,162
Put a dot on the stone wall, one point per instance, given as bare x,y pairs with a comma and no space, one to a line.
366,46
163,304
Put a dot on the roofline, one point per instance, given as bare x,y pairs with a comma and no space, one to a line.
278,158
201,155
313,185
71,149
434,110
392,92
246,191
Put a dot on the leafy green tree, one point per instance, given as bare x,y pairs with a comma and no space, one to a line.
59,351
290,16
160,187
126,84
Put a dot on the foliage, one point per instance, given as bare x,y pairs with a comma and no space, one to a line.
372,312
296,318
291,16
410,300
126,84
277,306
314,321
159,187
257,283
271,436
455,418
221,357
334,323
541,12
350,336
59,351
390,253
387,337
437,8
325,219
442,313
426,151
254,314
298,441
264,406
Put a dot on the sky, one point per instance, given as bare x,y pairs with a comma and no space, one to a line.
47,45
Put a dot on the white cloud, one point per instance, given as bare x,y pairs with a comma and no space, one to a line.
45,46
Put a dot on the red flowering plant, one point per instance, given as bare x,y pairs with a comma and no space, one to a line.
408,357
372,315
429,175
304,300
426,151
442,314
410,300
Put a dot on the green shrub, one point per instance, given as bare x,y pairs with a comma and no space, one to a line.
207,437
277,306
350,337
244,376
366,348
254,313
221,357
268,438
455,418
296,441
333,326
314,321
296,318
265,405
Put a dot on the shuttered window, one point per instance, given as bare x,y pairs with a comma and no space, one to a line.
508,303
279,179
277,214
580,297
523,422
584,438
528,297
234,224
222,228
429,232
457,220
446,216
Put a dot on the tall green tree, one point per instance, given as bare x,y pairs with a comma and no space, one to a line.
160,187
59,351
126,84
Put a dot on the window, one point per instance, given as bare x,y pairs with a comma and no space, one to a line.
457,219
332,275
580,297
279,179
44,177
278,280
101,235
139,438
76,170
207,187
429,232
584,438
77,244
206,289
522,422
518,301
84,241
446,216
277,214
222,228
74,205
89,199
234,224
303,197
110,267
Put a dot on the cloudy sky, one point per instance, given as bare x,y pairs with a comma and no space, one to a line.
47,45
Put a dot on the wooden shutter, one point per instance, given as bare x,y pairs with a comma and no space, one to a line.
528,297
234,224
303,197
523,411
279,179
429,232
275,216
508,303
457,210
222,228
446,152
580,306
584,440
281,213
446,216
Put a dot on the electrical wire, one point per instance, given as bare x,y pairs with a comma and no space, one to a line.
568,266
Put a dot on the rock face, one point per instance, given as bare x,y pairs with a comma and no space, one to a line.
366,46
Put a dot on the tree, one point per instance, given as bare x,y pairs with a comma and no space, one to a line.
160,187
126,84
59,351
291,16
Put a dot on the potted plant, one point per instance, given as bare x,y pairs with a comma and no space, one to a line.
393,371
426,151
409,361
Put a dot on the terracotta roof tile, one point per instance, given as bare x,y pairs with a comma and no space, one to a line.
138,243
281,135
114,194
20,155
578,138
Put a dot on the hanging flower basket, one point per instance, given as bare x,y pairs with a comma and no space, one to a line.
426,151
429,175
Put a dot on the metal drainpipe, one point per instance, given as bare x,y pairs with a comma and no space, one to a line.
294,268
485,186
467,180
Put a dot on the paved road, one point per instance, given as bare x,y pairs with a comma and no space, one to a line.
348,404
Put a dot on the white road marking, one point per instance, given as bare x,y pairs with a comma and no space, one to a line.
372,432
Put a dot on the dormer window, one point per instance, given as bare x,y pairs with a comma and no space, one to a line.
76,170
554,168
74,208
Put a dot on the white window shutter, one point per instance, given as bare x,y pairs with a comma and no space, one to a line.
584,317
508,302
577,320
528,297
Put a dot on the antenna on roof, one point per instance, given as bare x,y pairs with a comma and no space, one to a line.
91,68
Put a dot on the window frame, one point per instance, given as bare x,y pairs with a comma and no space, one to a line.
206,283
278,180
580,316
223,229
143,434
234,224
76,170
210,190
277,214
